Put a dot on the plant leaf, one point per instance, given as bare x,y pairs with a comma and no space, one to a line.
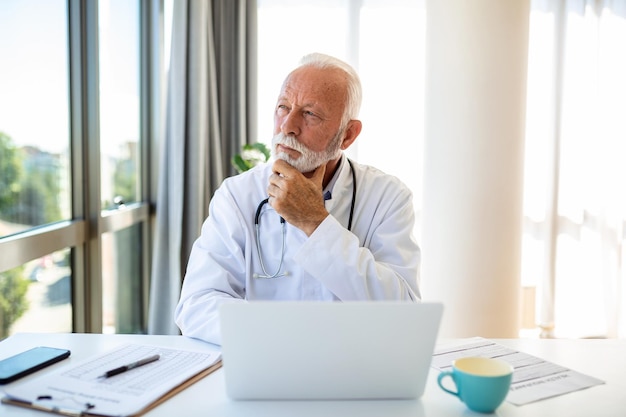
239,164
261,148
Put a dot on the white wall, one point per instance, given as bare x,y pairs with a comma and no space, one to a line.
473,163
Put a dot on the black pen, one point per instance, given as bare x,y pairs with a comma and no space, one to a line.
130,366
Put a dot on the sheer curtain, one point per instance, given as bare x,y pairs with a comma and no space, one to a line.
575,176
206,123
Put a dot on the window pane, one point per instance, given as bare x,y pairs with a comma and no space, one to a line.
119,101
34,114
37,296
122,285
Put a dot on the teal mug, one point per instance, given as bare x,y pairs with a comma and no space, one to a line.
481,383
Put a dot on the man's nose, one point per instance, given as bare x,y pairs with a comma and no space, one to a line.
290,124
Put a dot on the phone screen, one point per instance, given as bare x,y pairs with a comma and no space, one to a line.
29,361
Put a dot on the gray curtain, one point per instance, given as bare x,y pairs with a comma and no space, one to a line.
209,116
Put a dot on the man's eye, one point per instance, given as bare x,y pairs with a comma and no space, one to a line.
312,119
281,110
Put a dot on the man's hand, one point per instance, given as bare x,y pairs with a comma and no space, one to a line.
296,198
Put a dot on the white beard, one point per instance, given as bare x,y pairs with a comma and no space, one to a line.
309,160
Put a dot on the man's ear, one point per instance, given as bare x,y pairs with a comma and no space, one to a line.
352,131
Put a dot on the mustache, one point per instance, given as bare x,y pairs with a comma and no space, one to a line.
308,159
289,141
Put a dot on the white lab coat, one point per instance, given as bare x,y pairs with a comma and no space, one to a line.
378,260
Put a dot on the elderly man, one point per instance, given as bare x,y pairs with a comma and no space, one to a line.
311,225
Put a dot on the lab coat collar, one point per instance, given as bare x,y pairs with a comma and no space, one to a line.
340,185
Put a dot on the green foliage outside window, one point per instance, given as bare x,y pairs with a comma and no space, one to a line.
29,192
10,172
29,184
13,303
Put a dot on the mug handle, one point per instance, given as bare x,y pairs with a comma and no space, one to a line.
441,376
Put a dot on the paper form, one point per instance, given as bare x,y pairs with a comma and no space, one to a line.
81,388
534,379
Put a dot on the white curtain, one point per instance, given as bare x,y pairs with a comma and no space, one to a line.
206,123
575,172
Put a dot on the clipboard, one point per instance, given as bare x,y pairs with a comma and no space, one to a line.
24,394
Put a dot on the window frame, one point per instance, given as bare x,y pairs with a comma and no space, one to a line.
83,233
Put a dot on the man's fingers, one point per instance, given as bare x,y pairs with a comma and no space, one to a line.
288,181
283,168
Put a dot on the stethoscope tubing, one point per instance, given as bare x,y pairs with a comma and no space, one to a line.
257,217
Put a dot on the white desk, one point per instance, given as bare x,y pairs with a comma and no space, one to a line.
603,359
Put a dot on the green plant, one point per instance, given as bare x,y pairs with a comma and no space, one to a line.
251,155
13,303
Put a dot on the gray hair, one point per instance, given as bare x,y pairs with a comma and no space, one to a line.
354,90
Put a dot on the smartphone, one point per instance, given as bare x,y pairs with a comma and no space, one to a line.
29,361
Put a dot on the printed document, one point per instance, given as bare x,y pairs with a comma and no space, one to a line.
81,387
534,379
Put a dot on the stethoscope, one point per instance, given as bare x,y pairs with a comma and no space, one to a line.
257,217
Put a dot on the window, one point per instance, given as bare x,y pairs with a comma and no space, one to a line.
75,140
34,116
120,161
120,116
35,186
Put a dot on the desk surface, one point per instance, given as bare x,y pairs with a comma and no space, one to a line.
603,359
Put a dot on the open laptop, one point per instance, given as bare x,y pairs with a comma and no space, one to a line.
328,350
